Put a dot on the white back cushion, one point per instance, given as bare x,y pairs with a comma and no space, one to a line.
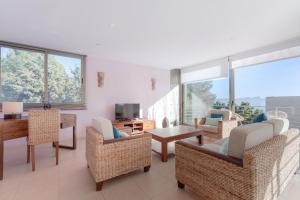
280,125
103,126
245,137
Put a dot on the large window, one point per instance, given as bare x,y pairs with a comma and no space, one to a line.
36,76
64,79
22,75
200,97
271,86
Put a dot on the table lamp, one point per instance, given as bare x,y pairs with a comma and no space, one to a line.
12,110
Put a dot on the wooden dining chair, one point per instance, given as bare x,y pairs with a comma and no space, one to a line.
43,128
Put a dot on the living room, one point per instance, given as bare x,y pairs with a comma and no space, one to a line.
149,99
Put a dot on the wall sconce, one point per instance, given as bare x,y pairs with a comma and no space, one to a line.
100,76
153,82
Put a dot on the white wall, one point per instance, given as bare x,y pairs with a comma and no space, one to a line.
123,83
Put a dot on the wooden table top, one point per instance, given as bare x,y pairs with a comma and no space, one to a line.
174,131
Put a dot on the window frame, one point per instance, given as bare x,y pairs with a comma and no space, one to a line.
183,85
64,106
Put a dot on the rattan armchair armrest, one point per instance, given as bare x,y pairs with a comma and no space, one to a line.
126,138
232,160
199,121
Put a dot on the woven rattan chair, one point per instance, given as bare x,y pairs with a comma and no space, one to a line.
43,128
262,173
107,159
224,126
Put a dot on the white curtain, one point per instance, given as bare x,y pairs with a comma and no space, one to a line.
283,50
205,71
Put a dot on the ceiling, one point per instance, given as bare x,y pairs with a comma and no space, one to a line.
158,33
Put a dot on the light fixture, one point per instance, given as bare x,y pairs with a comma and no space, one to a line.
12,110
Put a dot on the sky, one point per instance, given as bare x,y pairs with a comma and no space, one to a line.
278,78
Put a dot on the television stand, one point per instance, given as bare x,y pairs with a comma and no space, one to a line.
137,126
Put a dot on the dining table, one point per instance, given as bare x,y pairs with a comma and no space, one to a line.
18,128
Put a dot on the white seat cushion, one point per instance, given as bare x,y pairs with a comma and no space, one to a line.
103,126
209,128
217,146
212,147
280,125
245,137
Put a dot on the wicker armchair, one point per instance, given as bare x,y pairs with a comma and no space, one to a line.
110,158
261,174
224,126
43,126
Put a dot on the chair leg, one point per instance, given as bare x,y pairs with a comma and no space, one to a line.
56,151
32,157
28,154
99,186
180,185
147,168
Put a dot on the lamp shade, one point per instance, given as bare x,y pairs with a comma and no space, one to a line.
12,107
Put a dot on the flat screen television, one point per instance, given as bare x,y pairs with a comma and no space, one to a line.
127,111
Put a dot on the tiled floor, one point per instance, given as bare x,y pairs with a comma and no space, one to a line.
72,180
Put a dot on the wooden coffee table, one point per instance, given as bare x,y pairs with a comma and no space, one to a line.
166,135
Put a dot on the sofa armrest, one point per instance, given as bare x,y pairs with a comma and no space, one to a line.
206,172
94,136
229,159
127,138
199,121
225,127
272,163
118,156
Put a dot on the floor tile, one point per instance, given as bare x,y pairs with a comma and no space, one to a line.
72,180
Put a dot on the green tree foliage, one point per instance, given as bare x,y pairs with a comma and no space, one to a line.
247,111
219,105
202,91
22,75
63,87
23,78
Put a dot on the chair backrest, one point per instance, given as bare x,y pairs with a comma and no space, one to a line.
103,126
43,126
276,114
280,125
226,113
247,136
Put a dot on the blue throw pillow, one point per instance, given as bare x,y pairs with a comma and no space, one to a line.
260,118
117,133
216,115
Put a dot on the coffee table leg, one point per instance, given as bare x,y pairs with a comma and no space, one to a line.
200,139
164,151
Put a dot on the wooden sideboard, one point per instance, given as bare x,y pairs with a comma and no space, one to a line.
136,126
18,128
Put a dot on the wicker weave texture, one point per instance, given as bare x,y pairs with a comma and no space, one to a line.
43,126
116,158
224,127
266,171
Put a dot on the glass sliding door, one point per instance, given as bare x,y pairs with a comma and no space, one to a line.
199,97
271,86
